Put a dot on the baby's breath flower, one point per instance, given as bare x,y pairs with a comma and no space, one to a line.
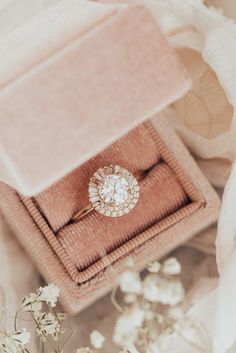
154,267
130,298
174,293
127,327
15,342
130,282
162,290
84,350
49,294
48,325
23,337
31,303
171,267
97,339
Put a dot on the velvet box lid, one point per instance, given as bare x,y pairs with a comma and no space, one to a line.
72,81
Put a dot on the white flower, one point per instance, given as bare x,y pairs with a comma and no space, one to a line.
31,303
154,267
15,342
127,326
97,339
49,294
48,325
130,282
23,337
174,294
171,267
130,298
162,290
84,350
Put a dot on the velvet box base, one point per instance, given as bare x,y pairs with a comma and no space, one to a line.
85,258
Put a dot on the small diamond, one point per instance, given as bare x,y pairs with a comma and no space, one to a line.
94,198
114,189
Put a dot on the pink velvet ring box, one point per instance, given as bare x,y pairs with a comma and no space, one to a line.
87,90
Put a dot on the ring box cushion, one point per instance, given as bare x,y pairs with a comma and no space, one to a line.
136,151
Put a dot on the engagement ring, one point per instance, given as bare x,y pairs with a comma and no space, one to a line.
113,191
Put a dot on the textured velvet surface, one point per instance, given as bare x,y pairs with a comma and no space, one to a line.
86,248
70,92
95,236
136,151
81,288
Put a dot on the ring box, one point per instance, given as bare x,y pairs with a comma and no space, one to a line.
77,98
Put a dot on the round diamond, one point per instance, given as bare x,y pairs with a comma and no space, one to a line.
114,189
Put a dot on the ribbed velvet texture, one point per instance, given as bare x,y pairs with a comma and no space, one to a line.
56,261
136,151
95,236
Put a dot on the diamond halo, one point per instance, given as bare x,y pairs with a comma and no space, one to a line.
113,191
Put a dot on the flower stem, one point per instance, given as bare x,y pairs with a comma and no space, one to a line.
114,301
15,320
